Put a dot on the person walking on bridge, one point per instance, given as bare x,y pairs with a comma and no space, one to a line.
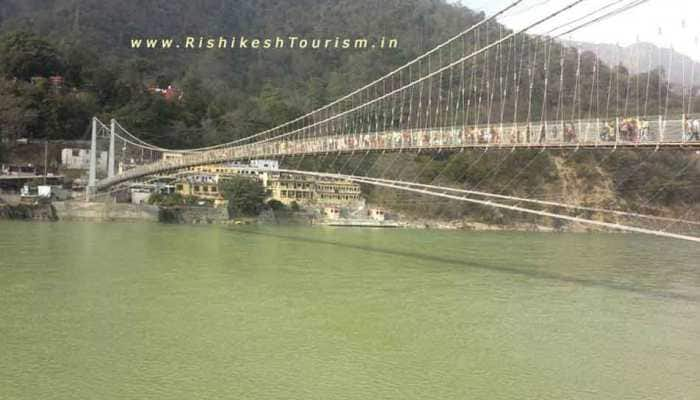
543,134
644,130
695,130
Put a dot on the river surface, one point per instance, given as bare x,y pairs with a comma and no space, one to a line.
148,311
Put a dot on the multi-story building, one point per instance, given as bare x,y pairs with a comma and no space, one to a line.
284,187
80,159
203,186
307,190
334,191
288,188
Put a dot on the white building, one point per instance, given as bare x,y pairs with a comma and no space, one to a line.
53,192
376,214
80,159
141,192
265,164
332,213
140,196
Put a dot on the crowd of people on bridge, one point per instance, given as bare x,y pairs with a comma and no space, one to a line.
618,130
626,129
586,132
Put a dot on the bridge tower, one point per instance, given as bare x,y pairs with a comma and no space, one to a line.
92,176
110,158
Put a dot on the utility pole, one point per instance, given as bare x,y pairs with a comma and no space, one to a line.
46,158
110,166
92,177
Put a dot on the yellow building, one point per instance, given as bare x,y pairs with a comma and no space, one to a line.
337,191
289,188
284,187
204,187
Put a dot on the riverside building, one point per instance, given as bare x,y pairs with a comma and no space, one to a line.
287,188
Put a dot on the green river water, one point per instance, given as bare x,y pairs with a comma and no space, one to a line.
148,311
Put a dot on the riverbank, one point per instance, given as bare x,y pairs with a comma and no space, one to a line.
104,212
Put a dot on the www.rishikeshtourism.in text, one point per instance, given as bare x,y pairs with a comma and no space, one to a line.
243,42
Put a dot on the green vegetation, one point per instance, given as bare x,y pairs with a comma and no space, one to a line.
29,105
277,206
245,196
26,55
227,94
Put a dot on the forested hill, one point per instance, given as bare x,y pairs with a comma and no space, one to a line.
229,93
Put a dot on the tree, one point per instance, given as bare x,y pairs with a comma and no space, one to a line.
16,116
172,200
2,146
68,116
245,196
276,205
272,108
26,55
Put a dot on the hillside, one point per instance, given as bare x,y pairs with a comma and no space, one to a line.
644,57
229,93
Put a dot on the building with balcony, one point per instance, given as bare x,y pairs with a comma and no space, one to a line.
284,187
307,190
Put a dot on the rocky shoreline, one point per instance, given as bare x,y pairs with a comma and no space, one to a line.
28,212
113,212
464,225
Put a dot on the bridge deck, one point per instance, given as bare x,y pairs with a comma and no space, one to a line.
556,136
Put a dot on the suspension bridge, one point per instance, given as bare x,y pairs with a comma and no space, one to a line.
486,88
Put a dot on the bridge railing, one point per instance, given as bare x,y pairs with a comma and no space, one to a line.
593,132
652,131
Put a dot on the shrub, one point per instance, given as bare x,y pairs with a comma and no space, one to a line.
245,196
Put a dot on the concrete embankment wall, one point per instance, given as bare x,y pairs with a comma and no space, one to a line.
124,212
105,212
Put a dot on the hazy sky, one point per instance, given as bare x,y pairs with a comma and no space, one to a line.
642,22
